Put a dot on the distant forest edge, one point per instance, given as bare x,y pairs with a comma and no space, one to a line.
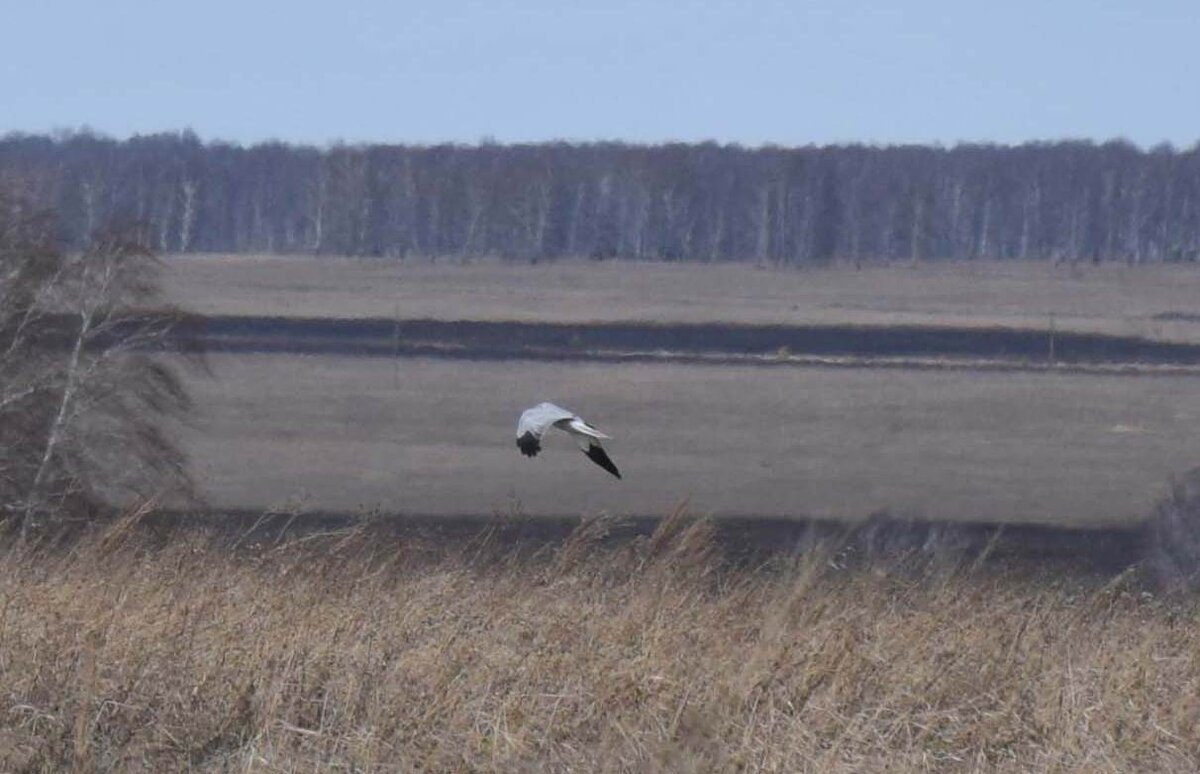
1061,201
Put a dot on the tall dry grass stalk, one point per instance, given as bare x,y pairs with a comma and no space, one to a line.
148,649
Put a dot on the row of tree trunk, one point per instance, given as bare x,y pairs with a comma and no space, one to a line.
783,206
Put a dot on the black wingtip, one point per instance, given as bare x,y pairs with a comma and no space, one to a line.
597,455
528,444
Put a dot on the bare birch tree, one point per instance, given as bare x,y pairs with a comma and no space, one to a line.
84,385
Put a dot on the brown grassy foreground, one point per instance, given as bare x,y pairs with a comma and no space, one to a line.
141,651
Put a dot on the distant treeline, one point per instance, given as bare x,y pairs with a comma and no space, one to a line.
1062,201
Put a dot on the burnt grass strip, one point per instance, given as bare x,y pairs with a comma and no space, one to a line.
600,341
631,341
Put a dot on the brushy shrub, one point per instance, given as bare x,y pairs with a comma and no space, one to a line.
85,387
1172,535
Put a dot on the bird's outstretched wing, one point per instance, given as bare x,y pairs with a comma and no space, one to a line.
595,452
534,423
588,439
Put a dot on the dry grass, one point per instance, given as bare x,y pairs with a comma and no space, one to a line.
349,652
1110,298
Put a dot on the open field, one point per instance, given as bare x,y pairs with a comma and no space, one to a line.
144,651
1143,301
431,437
437,437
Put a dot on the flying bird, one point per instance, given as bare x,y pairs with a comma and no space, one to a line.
536,421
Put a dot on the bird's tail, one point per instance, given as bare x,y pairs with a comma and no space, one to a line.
579,426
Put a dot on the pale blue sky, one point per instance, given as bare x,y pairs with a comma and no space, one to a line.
516,70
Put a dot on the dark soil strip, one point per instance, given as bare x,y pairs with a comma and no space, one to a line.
615,341
508,340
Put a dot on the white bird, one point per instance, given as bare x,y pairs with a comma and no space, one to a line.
536,421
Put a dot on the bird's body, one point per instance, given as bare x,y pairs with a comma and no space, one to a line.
534,423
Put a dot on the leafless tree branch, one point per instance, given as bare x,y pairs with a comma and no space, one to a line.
87,382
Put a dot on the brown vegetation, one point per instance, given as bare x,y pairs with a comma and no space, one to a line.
144,650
